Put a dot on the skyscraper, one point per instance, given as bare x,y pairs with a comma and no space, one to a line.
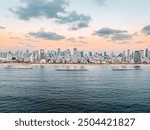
90,54
75,52
9,56
105,53
58,52
42,55
147,53
137,57
128,54
123,57
142,54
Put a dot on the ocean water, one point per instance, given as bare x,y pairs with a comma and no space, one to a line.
42,89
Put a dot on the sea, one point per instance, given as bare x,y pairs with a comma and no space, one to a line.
75,89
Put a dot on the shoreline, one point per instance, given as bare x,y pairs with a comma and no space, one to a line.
46,64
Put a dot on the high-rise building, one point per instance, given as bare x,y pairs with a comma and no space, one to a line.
58,52
67,53
90,54
35,55
27,53
82,53
67,56
147,53
105,53
112,54
75,52
137,57
142,53
132,55
123,57
42,55
128,54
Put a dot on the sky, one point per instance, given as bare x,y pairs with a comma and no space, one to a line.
90,25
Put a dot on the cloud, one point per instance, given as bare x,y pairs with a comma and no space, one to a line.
106,32
140,42
54,9
15,38
84,42
100,2
113,34
22,40
1,27
73,40
40,8
120,37
146,30
25,44
80,37
46,35
78,40
76,21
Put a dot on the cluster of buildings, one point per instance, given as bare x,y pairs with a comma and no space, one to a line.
75,57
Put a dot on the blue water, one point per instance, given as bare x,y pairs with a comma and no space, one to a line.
98,90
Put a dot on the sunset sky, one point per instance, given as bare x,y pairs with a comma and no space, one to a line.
96,25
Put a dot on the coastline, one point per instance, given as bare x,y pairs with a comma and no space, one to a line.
46,64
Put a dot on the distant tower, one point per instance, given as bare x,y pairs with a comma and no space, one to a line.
82,53
105,53
9,55
123,58
146,53
27,53
142,53
132,55
137,57
42,55
58,52
128,54
90,54
75,52
67,53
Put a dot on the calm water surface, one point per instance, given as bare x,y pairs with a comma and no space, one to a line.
100,89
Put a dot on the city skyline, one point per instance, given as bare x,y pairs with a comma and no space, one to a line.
75,56
96,25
